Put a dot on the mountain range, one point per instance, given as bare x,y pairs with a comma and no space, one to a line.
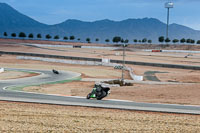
13,21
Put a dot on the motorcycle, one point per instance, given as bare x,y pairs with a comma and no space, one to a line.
99,92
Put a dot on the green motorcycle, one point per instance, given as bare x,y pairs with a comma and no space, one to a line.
98,92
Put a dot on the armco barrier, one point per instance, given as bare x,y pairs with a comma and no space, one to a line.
99,60
157,64
133,76
51,56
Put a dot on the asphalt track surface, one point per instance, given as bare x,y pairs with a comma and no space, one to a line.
49,76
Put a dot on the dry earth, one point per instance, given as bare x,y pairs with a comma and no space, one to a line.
15,75
131,54
179,94
24,117
136,46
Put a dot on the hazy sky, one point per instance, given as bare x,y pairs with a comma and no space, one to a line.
185,12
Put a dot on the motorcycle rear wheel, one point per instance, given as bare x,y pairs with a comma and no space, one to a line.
103,94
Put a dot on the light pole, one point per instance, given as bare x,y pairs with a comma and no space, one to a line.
123,68
168,5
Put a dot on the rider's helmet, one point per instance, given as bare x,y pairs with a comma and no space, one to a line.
97,85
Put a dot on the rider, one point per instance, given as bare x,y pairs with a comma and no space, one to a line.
98,92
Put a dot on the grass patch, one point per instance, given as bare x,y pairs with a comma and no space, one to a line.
30,72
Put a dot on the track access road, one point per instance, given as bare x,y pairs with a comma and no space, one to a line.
49,76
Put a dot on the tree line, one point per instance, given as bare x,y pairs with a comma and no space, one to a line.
162,39
116,39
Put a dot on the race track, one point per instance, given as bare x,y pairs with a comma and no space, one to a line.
49,76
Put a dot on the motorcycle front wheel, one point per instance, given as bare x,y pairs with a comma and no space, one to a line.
88,96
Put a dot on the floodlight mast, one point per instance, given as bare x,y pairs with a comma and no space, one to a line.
168,5
124,45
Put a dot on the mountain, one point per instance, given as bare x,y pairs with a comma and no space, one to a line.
13,21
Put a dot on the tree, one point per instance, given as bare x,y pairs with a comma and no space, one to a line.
22,34
126,41
72,37
189,40
122,40
116,39
175,41
107,40
56,37
135,40
30,35
39,36
97,39
48,36
88,40
144,40
167,40
161,39
150,41
5,34
13,35
198,42
78,39
65,38
192,41
183,40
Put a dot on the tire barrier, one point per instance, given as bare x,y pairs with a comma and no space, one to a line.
156,51
77,46
100,60
118,67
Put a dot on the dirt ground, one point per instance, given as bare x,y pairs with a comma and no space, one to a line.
15,75
131,54
86,71
135,46
26,117
139,92
187,93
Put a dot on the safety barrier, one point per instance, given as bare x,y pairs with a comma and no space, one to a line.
76,62
133,76
100,60
116,66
